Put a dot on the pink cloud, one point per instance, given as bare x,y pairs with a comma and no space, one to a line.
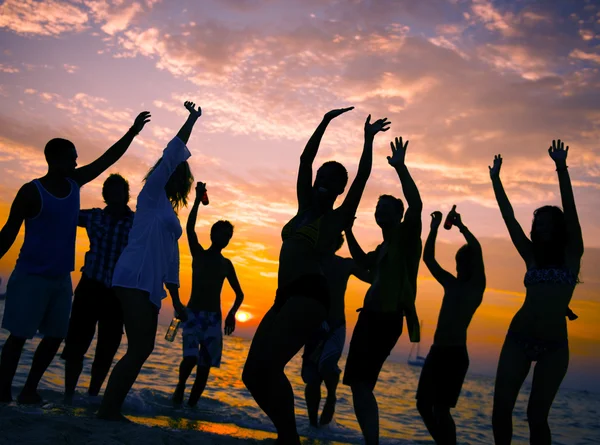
582,55
48,18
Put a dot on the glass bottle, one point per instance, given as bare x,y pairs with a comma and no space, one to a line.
172,331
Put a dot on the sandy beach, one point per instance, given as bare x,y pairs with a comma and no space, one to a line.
61,425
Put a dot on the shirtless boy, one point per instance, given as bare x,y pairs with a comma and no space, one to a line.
202,336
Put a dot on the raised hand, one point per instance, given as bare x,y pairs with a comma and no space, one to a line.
456,220
436,219
335,113
398,153
142,119
191,107
558,153
371,129
495,169
200,189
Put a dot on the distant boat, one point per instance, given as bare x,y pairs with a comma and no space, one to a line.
419,360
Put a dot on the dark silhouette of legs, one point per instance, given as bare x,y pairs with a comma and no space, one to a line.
279,337
73,370
82,327
199,385
425,408
331,382
185,369
141,318
513,368
548,374
367,412
9,361
312,395
44,354
446,429
110,333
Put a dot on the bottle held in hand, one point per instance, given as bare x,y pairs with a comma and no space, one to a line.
173,328
450,218
205,198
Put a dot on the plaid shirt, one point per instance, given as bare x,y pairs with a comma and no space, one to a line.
108,237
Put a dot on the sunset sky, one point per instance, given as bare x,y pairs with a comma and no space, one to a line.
461,79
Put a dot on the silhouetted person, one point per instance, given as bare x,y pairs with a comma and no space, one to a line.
39,291
393,266
150,262
538,331
95,301
323,350
202,335
447,363
302,300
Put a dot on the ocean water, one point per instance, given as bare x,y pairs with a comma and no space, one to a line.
574,419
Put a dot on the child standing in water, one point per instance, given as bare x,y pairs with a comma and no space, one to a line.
202,336
446,364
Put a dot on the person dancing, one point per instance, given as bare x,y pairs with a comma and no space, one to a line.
394,267
324,349
447,363
95,302
302,300
150,262
39,291
538,331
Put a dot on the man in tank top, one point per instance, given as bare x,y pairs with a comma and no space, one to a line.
39,291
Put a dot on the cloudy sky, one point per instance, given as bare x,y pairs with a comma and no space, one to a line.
461,79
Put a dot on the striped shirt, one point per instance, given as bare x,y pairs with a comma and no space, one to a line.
108,238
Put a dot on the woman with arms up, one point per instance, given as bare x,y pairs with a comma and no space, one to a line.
150,262
302,300
538,332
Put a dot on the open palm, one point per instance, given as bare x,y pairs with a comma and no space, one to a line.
398,152
557,151
371,129
495,169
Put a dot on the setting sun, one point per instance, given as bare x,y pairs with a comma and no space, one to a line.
243,317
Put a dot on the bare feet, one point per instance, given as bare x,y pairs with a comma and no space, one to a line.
29,398
178,395
6,396
68,399
113,417
328,411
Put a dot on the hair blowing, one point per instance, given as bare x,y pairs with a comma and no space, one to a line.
179,184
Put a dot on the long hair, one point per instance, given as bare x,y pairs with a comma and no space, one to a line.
550,253
179,184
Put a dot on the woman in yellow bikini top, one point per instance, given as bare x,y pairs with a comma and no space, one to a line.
302,299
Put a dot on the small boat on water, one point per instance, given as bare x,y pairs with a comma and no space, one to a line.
418,359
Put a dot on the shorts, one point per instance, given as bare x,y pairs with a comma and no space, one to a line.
311,286
373,339
443,375
323,352
203,337
93,304
37,303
